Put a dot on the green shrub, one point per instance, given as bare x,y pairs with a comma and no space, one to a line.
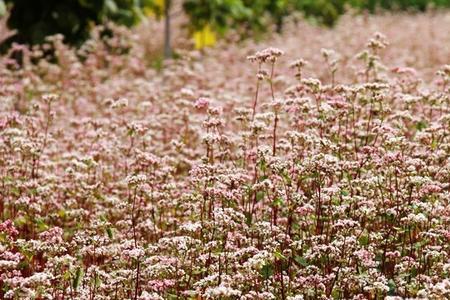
37,19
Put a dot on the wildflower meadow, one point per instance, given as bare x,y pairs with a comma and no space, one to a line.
312,164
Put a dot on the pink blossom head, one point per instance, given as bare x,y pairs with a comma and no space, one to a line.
202,103
8,228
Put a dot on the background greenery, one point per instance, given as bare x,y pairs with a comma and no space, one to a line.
34,20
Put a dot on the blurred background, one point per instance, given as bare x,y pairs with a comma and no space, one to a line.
203,22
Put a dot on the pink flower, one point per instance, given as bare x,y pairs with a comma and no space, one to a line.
53,235
8,228
202,103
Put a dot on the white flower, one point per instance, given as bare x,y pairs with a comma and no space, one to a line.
221,291
147,296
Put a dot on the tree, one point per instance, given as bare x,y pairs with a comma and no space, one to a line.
167,47
34,20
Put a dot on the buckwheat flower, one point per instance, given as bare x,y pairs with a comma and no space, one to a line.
181,243
296,297
8,228
120,103
419,218
53,235
202,103
444,72
258,126
149,296
10,294
393,254
446,267
9,260
252,58
312,83
430,188
375,86
379,41
137,179
191,226
366,258
243,113
441,289
381,285
305,210
134,253
49,98
266,55
210,138
266,117
300,63
214,111
346,224
40,279
160,285
8,264
258,260
276,104
206,281
256,295
275,51
221,291
187,92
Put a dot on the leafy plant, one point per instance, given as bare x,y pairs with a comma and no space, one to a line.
37,19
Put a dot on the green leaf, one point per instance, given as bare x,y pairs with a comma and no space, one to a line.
279,255
434,144
259,195
287,178
77,279
336,294
248,218
97,281
21,220
301,260
23,264
364,240
66,275
62,213
15,191
421,125
41,224
110,233
266,271
392,286
2,8
111,6
344,192
278,202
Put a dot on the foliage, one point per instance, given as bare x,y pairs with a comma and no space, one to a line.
37,19
258,15
328,11
216,13
204,37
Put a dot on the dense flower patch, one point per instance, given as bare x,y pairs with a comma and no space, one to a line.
298,173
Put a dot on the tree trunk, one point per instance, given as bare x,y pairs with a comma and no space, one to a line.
167,47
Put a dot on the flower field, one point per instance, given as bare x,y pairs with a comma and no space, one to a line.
310,165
